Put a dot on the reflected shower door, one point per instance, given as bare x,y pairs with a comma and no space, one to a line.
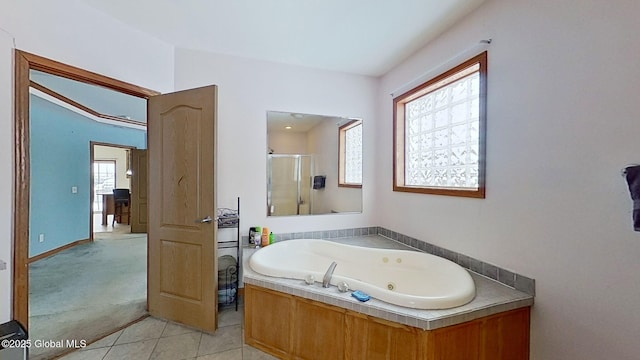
289,185
304,185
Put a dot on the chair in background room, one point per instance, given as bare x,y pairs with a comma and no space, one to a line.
121,199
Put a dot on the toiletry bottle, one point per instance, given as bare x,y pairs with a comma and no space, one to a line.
265,236
272,238
257,236
252,232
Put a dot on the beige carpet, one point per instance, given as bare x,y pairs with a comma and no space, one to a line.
88,291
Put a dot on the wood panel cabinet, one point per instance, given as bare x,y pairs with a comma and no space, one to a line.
318,330
505,335
271,318
370,338
457,342
291,327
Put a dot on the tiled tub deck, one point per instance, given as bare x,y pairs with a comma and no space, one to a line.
492,297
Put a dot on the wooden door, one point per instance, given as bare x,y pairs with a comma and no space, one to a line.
182,281
139,208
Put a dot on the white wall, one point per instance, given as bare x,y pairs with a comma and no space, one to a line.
70,32
6,182
563,120
323,143
247,90
282,142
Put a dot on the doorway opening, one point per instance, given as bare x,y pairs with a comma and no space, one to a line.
181,193
110,170
30,72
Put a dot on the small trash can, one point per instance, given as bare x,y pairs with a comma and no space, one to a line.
14,342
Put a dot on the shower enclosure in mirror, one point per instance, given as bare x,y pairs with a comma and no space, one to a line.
290,188
303,148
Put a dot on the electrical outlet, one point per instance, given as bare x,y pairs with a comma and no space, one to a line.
74,189
3,265
41,238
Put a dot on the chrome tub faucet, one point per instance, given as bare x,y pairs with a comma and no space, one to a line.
327,276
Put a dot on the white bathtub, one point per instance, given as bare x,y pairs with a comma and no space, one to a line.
418,280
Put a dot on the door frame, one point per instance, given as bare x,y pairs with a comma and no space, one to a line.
23,62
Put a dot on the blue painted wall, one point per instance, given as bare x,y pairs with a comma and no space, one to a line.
60,158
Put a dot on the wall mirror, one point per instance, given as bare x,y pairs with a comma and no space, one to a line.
314,164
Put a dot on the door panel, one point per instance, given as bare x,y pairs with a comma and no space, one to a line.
182,248
180,185
139,178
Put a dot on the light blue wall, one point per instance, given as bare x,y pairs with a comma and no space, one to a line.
60,157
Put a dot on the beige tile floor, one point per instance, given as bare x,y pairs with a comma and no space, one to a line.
155,339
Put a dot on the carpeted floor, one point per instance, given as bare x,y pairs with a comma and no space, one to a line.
87,291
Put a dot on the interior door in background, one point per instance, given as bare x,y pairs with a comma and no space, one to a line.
139,189
182,281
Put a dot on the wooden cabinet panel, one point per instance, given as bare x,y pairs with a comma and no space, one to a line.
458,342
371,338
319,331
406,343
291,327
268,319
356,336
377,343
506,336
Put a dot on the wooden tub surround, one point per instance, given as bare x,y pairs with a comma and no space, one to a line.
292,320
292,327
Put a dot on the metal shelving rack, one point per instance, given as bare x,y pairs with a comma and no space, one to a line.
229,222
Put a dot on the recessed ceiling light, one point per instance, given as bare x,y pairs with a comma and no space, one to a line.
287,127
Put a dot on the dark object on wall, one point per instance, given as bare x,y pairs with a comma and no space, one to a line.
318,182
632,174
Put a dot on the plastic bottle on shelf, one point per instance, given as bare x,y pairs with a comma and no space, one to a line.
265,236
252,232
272,238
257,236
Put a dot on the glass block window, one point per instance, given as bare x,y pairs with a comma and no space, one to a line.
439,132
350,154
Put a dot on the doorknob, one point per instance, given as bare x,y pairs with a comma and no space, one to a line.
207,220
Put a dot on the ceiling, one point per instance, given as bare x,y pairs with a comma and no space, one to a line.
99,99
367,37
298,123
